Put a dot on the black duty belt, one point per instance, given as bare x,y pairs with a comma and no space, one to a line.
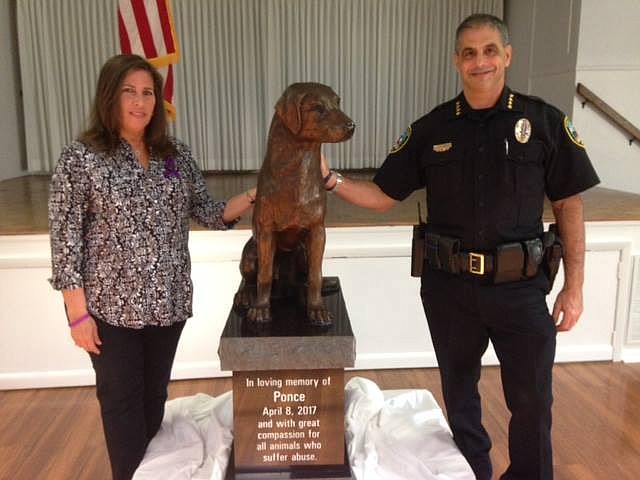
509,262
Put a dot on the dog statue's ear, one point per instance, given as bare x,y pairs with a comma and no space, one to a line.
288,109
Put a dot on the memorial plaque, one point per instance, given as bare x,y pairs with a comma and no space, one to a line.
288,390
288,417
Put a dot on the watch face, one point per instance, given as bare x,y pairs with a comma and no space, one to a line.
339,180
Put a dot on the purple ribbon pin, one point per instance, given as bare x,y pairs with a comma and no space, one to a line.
170,168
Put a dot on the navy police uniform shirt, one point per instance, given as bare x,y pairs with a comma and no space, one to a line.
486,172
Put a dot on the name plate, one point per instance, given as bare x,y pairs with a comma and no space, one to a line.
288,418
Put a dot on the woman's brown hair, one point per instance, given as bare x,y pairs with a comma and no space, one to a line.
103,133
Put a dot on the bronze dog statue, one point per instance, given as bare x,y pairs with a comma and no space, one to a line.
288,218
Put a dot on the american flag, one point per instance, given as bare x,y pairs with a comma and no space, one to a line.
146,28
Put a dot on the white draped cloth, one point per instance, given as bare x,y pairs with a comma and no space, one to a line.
391,435
399,435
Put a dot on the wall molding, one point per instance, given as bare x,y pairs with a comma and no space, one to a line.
608,68
633,334
631,354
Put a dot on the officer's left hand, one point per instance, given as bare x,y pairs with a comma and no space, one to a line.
569,304
324,166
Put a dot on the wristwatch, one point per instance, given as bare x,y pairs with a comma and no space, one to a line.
339,181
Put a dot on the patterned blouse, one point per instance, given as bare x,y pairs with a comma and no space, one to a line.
121,232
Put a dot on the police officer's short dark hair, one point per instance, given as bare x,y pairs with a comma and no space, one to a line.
483,20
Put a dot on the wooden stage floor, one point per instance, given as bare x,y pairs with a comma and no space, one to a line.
23,204
55,433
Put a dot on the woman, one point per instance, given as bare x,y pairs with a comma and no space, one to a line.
120,202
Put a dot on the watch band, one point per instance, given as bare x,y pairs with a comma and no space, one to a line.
339,181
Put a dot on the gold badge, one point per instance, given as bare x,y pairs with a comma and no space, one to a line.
523,130
442,147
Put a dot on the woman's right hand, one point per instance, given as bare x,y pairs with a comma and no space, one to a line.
85,335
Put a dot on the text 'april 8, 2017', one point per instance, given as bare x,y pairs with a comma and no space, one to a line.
289,424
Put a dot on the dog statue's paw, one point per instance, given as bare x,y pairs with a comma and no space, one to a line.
242,299
319,316
259,314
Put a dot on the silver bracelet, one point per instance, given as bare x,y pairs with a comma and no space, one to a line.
339,181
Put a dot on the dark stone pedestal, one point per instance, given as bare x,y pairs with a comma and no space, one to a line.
288,391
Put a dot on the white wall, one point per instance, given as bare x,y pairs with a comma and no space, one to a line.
544,36
382,300
11,143
609,65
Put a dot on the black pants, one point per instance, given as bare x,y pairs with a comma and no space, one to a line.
132,374
463,315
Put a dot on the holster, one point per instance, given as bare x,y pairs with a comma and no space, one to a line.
418,249
437,251
553,252
441,252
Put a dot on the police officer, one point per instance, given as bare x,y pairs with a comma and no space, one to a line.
487,159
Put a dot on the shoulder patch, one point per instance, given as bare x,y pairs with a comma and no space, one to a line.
572,132
401,141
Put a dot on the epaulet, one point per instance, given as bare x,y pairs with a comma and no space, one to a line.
420,123
440,109
534,99
541,102
448,106
529,97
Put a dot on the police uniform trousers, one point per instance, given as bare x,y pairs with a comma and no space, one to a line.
465,312
132,374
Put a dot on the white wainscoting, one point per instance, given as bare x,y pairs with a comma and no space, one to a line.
382,300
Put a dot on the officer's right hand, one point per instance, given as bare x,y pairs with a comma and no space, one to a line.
568,305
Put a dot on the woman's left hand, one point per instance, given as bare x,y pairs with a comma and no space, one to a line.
239,204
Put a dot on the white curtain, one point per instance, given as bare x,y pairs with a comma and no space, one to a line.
389,60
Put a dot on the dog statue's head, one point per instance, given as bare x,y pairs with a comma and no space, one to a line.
311,111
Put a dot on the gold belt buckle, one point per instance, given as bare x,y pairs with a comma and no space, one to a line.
476,263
